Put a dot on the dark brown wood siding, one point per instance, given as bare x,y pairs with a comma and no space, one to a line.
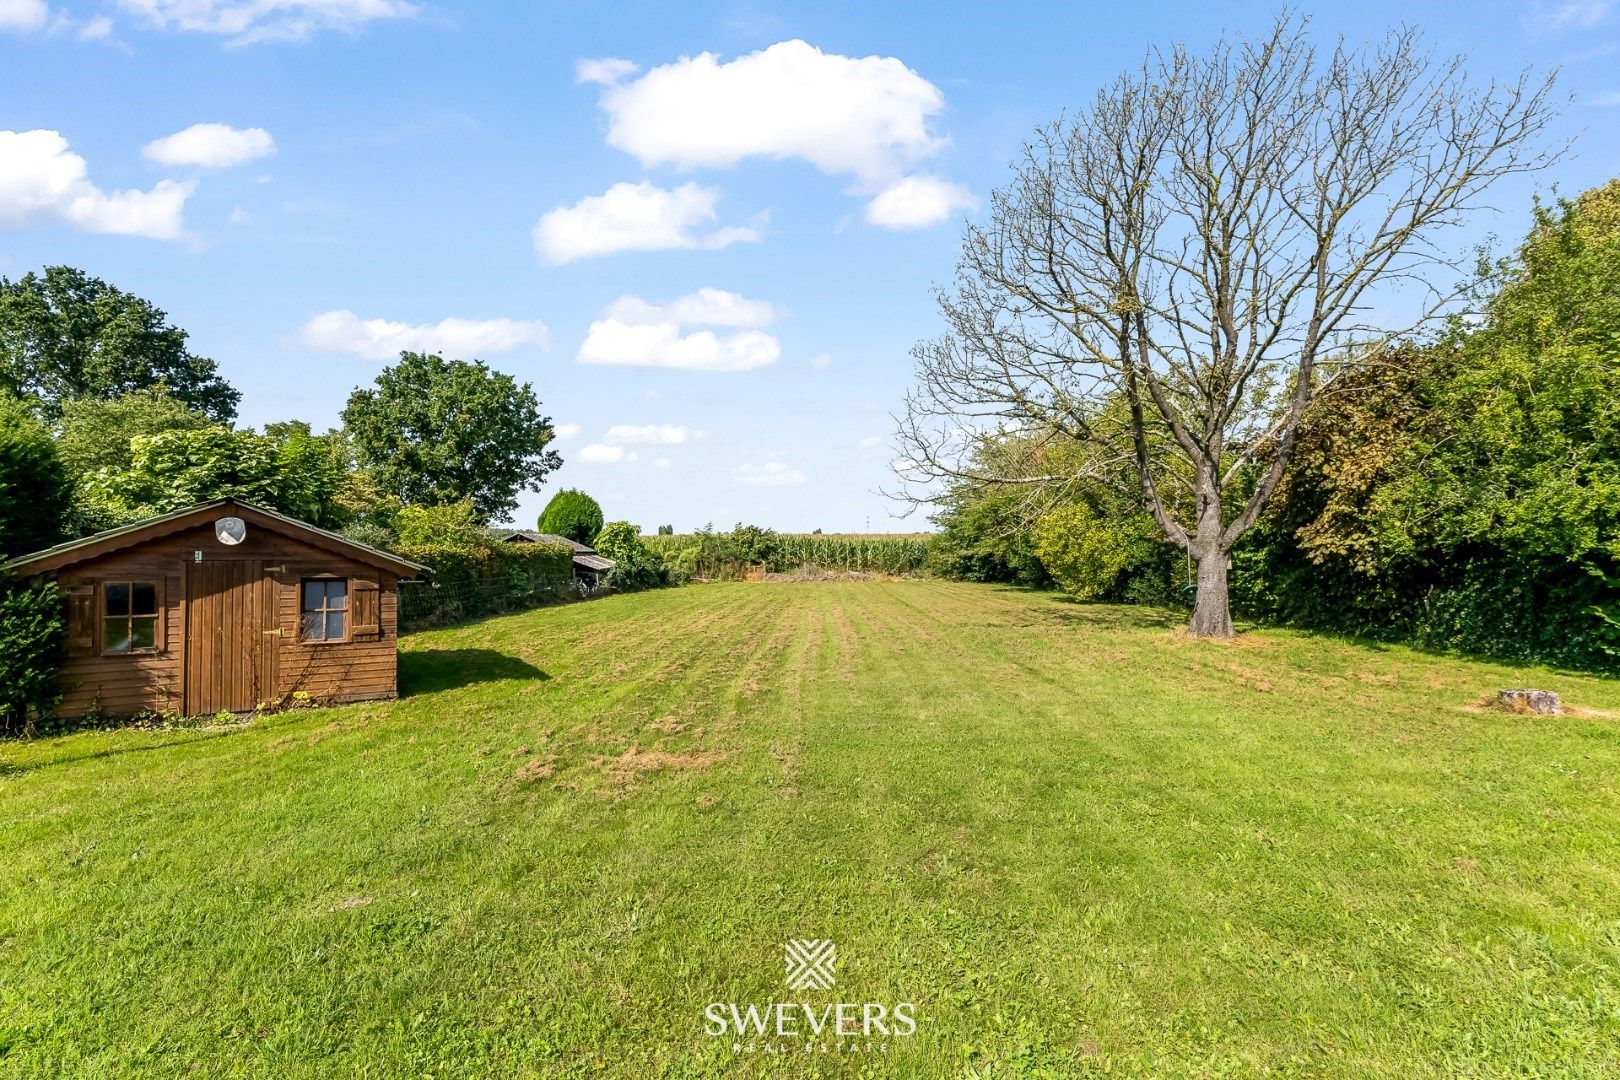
254,652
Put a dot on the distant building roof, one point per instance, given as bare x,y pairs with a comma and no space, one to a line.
529,536
584,555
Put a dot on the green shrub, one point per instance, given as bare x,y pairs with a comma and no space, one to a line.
573,514
31,639
454,524
635,564
482,578
33,485
1083,551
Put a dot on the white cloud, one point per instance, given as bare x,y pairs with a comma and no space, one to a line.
821,361
379,339
210,146
602,454
770,474
634,333
96,29
917,201
1556,18
1607,100
565,431
662,463
868,117
240,216
41,179
663,345
1544,18
604,72
23,16
871,441
663,434
635,217
705,307
248,21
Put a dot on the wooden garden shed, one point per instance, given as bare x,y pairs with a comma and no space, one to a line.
223,606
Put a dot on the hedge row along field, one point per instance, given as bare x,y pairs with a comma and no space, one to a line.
734,554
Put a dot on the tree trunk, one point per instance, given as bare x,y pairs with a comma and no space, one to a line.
1212,614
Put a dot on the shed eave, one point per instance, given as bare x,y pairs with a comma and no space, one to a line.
152,528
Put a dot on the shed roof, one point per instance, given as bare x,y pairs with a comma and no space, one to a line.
592,561
153,528
533,537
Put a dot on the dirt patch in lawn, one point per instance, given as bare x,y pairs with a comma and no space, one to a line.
626,770
541,768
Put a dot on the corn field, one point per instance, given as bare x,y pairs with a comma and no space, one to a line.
735,554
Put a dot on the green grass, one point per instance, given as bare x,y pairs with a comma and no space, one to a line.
1078,842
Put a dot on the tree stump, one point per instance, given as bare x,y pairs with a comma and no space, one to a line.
1541,702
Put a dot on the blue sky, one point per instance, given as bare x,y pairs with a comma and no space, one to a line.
705,233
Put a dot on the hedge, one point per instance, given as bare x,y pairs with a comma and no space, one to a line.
468,582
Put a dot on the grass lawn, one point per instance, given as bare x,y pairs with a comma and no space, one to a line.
1080,844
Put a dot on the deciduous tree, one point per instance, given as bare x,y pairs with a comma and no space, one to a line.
66,335
573,514
435,431
33,487
1204,242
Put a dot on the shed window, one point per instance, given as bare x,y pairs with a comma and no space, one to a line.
129,616
325,609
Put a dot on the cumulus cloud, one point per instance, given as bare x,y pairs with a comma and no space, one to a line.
871,441
662,434
918,201
821,361
97,29
663,345
635,217
870,118
210,146
867,116
602,454
23,16
42,180
248,21
770,474
705,307
380,339
635,333
565,431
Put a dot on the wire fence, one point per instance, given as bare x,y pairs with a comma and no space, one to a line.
424,604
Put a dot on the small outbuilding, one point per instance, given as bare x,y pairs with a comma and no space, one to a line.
589,567
223,606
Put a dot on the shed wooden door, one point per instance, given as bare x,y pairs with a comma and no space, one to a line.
230,613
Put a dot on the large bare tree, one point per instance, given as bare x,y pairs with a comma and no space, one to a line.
1174,271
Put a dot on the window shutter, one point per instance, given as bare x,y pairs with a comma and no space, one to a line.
365,608
81,620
